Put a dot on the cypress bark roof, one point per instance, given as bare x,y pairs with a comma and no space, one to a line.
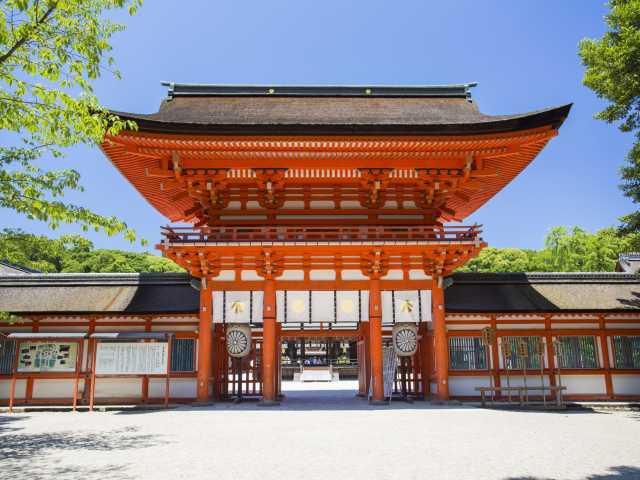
433,110
173,293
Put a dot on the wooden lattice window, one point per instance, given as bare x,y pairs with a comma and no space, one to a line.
183,355
467,353
578,352
7,355
517,360
626,351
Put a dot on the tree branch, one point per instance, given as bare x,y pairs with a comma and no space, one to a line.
23,40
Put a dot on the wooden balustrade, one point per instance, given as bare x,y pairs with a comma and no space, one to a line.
312,233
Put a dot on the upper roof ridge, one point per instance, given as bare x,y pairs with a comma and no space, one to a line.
207,90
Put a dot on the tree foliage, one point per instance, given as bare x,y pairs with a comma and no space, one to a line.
613,73
50,52
565,250
73,253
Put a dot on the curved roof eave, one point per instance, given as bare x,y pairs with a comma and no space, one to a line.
554,117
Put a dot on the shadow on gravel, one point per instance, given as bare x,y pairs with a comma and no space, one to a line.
26,455
621,472
6,423
321,400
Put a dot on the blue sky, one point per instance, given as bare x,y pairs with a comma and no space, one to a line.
522,54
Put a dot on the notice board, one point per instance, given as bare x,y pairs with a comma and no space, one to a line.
131,358
47,357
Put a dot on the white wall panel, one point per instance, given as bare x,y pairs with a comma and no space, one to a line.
322,275
5,386
353,275
178,387
292,275
584,384
118,387
626,384
465,386
50,388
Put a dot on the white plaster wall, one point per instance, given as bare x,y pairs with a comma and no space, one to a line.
569,326
119,328
225,276
518,381
292,275
118,387
322,275
465,386
393,275
178,387
5,385
44,327
353,275
51,388
520,326
626,384
584,384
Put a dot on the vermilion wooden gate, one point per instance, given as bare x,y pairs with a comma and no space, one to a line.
242,377
408,382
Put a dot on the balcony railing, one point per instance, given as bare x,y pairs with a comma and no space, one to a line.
335,233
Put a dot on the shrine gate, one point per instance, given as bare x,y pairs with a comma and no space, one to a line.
323,211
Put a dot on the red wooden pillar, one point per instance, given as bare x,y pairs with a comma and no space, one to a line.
218,371
495,353
204,341
375,341
426,360
440,340
269,344
605,359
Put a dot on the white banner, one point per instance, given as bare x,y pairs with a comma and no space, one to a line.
410,306
237,307
325,307
132,358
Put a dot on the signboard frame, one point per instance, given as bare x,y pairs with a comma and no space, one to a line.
51,338
129,338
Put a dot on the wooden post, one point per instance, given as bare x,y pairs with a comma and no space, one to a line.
145,378
204,341
551,363
92,394
425,360
269,344
441,341
167,380
606,364
77,378
375,342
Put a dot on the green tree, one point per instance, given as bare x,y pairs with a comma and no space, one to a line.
565,250
75,254
50,52
613,73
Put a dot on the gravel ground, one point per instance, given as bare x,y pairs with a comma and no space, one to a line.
326,433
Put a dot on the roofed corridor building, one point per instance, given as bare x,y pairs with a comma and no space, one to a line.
322,212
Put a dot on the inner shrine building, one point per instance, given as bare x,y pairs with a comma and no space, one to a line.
328,213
